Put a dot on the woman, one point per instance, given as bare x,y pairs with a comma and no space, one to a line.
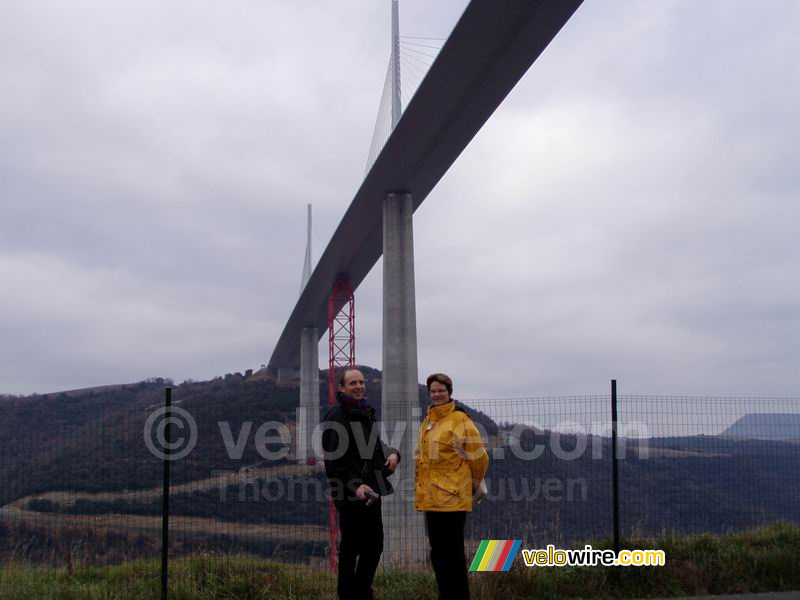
450,463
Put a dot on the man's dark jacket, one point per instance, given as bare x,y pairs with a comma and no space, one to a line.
358,459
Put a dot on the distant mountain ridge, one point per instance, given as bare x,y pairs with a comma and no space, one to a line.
766,426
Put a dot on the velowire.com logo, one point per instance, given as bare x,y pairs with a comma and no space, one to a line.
495,555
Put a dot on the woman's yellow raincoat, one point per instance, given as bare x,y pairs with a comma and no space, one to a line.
451,460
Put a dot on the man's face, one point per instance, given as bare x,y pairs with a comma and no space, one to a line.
353,384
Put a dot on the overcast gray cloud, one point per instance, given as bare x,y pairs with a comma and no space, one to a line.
630,211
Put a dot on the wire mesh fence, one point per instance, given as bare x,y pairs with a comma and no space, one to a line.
72,468
710,464
82,475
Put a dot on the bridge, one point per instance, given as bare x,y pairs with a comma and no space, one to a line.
491,47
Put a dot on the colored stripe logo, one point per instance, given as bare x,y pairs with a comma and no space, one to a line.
495,555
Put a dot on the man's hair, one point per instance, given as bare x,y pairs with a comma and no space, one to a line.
443,379
344,371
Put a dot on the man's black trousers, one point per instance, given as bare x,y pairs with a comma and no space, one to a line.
360,548
446,537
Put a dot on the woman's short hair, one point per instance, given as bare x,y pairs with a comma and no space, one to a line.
440,378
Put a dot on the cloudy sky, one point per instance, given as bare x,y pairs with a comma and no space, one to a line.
630,212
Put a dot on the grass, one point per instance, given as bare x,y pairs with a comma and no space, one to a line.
760,560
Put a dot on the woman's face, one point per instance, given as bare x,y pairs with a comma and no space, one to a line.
439,394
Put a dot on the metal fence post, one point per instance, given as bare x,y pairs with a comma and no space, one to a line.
165,497
615,470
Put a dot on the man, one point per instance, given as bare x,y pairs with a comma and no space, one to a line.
357,463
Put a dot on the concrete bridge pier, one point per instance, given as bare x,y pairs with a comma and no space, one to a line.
405,541
308,416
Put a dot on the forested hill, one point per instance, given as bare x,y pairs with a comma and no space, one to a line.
93,440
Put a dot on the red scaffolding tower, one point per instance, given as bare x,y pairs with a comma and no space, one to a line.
342,353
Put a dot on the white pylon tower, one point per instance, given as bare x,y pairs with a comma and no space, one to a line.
397,108
307,261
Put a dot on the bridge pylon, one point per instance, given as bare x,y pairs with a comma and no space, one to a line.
308,415
404,541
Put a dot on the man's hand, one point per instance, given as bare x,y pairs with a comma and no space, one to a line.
391,462
361,492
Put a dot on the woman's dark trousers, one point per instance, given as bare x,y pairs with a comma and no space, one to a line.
446,537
